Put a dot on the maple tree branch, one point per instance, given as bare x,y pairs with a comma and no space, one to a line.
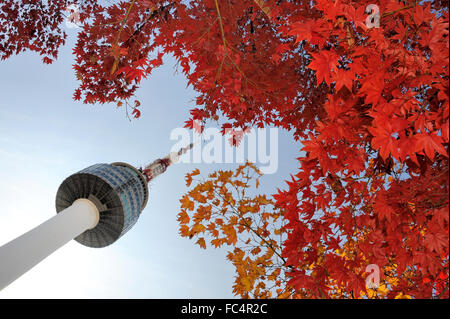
221,27
265,8
124,21
207,31
219,71
154,12
385,14
249,227
219,16
443,291
264,240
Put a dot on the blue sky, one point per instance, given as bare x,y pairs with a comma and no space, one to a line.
45,136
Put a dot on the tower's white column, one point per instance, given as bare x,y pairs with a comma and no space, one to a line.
21,254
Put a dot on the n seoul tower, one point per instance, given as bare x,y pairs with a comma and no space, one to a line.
95,206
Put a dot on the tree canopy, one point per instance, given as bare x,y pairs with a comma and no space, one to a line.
366,93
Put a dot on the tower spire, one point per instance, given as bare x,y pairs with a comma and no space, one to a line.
160,165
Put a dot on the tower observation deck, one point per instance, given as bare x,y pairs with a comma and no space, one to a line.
118,190
95,206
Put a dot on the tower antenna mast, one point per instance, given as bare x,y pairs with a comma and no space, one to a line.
160,165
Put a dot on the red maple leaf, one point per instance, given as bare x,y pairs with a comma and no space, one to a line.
136,113
436,240
430,143
344,78
384,140
308,30
383,209
324,63
372,88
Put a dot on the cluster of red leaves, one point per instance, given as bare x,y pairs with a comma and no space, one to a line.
36,26
375,174
369,105
229,53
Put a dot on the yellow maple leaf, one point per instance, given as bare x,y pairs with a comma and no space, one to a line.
201,242
184,231
246,283
183,217
187,203
198,228
216,242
